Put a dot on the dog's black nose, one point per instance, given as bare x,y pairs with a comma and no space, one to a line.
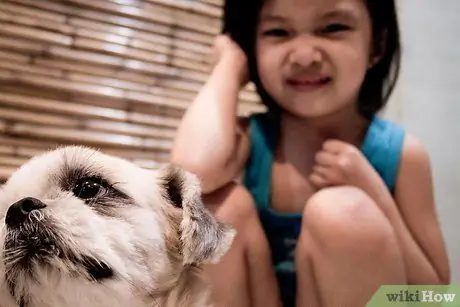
18,212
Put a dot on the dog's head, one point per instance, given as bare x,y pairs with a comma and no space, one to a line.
75,218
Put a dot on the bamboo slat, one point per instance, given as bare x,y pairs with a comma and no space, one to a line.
213,2
116,75
11,56
13,161
194,7
8,8
35,34
68,109
21,46
83,136
128,129
30,147
5,172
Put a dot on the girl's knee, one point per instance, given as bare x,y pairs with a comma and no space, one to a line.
345,219
232,204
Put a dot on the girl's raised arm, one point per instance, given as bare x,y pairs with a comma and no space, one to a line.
211,142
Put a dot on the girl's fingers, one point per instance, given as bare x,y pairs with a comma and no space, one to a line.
334,146
325,158
323,171
326,175
318,181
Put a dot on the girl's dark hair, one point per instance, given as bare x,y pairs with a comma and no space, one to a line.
240,22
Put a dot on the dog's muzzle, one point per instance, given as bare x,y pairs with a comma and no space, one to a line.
37,240
19,211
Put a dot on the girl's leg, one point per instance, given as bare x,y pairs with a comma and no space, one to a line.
347,249
244,277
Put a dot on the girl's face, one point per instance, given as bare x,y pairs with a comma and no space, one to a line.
312,55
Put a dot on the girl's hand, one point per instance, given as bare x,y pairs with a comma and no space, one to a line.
225,49
340,163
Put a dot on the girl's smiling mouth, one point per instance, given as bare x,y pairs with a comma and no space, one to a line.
305,83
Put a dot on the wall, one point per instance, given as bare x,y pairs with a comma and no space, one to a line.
115,75
427,101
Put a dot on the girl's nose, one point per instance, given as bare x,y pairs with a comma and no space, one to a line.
304,53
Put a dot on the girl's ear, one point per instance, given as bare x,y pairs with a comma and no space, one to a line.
379,45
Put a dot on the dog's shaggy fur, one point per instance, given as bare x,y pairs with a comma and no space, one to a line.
80,228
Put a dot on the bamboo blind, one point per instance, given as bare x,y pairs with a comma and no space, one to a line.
112,74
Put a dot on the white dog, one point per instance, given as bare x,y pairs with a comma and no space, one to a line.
80,228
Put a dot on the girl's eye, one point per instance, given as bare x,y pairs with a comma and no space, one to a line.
276,33
334,28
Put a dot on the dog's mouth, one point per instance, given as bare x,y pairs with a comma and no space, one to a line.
38,243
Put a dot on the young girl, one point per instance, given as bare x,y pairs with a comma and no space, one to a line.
335,201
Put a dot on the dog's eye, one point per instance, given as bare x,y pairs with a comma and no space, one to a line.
88,188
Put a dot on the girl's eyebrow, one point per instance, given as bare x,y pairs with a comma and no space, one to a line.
346,13
342,13
272,18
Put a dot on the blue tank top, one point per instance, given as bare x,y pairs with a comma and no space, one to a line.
382,146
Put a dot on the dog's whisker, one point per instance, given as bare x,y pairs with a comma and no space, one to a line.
36,216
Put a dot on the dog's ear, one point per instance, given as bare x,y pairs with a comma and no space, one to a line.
202,238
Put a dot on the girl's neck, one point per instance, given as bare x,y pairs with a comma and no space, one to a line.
310,134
